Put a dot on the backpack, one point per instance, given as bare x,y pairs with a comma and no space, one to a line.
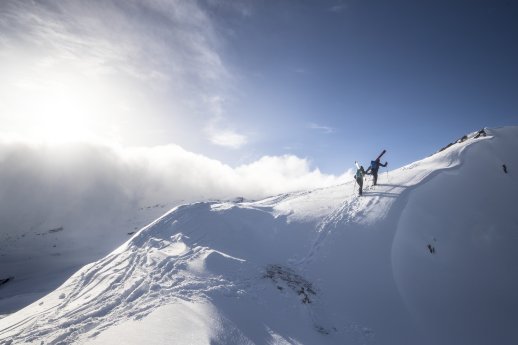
359,173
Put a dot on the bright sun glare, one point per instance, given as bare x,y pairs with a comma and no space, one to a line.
59,103
53,111
54,98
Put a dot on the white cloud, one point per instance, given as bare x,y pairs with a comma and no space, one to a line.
89,187
279,174
216,129
227,138
325,129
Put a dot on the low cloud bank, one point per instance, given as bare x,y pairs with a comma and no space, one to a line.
94,188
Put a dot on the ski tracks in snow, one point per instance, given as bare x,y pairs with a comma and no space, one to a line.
124,285
378,201
352,210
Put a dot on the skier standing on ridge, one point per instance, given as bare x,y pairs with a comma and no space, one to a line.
360,172
375,165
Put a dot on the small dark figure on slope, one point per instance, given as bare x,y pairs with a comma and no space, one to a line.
360,173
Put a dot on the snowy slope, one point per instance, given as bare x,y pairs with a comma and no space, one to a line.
42,257
316,267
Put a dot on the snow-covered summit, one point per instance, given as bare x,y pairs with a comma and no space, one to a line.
426,257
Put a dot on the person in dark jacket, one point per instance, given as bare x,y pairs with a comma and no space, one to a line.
360,172
373,169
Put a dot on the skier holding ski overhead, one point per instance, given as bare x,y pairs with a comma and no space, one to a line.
375,165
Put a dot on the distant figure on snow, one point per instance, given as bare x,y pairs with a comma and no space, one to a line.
505,168
360,172
373,169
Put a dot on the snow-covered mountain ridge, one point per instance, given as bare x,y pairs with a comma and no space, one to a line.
426,257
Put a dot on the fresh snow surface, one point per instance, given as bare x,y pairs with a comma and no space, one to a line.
316,267
40,258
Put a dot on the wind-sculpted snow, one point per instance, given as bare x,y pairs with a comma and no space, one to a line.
124,285
464,290
315,267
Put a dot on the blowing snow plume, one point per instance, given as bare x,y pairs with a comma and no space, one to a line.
59,201
322,266
45,186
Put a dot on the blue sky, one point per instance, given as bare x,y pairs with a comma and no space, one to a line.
330,81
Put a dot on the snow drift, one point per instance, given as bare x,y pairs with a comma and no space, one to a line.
426,257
